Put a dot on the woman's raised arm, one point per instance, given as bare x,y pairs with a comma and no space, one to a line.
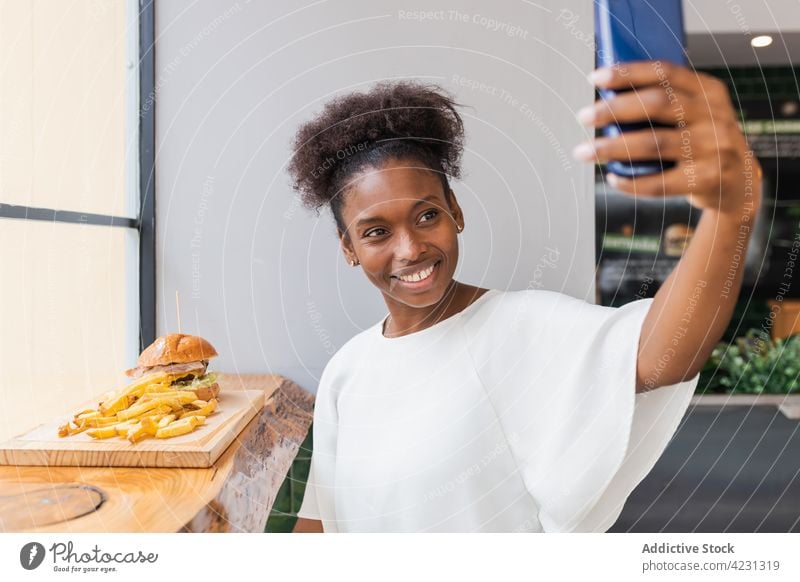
716,170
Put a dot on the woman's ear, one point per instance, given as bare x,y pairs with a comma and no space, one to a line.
347,247
455,210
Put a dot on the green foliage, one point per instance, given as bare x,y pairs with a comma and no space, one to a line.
283,515
753,364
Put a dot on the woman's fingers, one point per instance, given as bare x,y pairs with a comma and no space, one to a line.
645,144
642,73
658,92
702,137
685,179
702,153
670,182
649,104
691,143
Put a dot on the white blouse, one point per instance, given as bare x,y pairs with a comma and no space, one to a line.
517,414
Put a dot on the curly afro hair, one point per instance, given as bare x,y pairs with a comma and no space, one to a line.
357,131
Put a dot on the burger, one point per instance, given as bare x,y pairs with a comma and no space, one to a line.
184,359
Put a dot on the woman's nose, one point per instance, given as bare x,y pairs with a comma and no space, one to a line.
410,247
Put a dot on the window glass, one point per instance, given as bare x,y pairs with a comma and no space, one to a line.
65,88
68,315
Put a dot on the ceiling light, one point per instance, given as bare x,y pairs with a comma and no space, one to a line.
761,41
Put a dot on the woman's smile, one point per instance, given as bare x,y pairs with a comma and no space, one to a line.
419,280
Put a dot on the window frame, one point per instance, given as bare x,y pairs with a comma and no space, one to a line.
147,175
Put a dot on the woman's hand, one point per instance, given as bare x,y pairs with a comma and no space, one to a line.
715,167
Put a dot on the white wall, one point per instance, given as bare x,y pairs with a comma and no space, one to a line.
264,279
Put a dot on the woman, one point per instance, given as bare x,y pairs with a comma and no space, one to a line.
473,409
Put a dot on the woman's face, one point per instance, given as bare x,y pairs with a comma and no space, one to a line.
400,224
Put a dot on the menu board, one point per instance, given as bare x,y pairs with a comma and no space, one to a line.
638,242
772,127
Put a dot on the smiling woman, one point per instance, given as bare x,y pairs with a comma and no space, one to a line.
464,409
381,160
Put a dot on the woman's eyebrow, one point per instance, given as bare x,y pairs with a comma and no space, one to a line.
363,221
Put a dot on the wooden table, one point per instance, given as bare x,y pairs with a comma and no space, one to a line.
234,495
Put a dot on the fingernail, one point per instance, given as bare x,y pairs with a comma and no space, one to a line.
599,76
586,115
583,151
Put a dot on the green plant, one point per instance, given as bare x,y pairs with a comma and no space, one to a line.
753,364
283,515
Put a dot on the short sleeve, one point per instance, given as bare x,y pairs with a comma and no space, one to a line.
318,499
563,386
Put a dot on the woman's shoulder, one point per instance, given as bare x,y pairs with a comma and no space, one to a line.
352,351
509,300
505,312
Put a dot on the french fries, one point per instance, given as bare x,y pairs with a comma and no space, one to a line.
179,427
105,432
204,410
147,427
150,407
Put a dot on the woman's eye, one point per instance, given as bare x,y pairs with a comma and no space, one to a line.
369,233
434,212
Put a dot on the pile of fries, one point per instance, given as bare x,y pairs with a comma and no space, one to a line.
149,407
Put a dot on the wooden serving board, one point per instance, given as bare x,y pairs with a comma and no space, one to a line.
201,448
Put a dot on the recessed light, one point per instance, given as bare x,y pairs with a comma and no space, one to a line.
761,41
790,108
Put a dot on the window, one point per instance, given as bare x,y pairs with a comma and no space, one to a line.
76,202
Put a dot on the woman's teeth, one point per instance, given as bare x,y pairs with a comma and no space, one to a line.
419,276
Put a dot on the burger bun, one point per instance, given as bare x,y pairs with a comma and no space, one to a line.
176,348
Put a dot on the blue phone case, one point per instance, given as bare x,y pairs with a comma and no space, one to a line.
637,30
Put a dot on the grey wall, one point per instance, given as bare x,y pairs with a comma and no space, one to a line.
263,278
748,17
718,33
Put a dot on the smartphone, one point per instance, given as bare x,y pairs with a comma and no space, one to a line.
637,30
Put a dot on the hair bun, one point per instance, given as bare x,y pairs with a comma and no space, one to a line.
393,119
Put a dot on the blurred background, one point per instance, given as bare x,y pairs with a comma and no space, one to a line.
143,148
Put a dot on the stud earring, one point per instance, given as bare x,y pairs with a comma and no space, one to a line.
460,228
353,263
